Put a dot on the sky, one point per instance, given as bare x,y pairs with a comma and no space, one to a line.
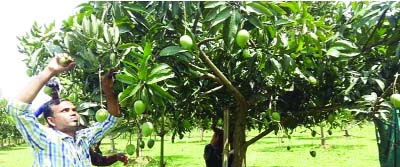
17,19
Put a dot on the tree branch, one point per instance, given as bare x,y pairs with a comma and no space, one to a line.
259,136
213,77
212,90
325,108
205,41
196,20
236,93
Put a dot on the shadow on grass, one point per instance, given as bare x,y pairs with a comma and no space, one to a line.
192,142
5,149
170,160
328,137
177,160
142,161
283,147
10,148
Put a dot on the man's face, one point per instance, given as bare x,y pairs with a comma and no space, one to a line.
65,117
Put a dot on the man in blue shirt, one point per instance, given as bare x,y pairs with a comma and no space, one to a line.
62,143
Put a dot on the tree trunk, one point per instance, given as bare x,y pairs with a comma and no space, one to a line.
112,144
138,142
162,139
201,134
226,138
239,139
173,136
323,140
346,133
138,147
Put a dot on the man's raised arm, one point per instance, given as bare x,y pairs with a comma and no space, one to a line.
56,65
112,102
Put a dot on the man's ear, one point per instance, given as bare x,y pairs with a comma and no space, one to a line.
50,121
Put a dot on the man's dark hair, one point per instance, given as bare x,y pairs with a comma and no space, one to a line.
46,108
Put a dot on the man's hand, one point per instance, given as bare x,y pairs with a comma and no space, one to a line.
60,63
107,81
107,85
28,93
122,157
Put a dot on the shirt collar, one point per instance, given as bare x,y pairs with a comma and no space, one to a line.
62,134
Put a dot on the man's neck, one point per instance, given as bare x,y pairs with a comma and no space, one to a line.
70,133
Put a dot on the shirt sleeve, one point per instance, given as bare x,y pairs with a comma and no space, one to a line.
98,130
31,129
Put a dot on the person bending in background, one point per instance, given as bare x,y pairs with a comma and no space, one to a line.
213,151
99,160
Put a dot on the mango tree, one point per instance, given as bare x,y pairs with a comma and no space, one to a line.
299,61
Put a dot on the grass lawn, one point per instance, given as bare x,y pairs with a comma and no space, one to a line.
358,150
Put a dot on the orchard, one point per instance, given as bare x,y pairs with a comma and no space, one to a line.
272,66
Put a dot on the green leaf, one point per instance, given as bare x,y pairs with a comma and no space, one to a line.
370,98
116,34
260,8
143,71
213,4
234,23
161,92
277,65
283,21
90,57
364,80
211,15
139,18
175,9
293,6
147,49
135,7
380,83
271,31
156,78
189,11
353,82
333,52
159,69
86,26
222,16
105,33
397,51
276,8
313,36
53,49
349,54
124,78
299,73
130,64
171,50
255,21
129,92
344,45
288,62
86,105
95,25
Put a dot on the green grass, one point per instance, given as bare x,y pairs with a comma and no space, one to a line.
358,150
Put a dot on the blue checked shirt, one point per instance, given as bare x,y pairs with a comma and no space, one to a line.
53,148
